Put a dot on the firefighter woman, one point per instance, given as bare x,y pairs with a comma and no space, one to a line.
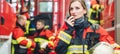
42,37
20,43
78,35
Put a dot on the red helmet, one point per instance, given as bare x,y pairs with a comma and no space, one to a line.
7,18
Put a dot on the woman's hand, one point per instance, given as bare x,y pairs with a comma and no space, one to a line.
70,21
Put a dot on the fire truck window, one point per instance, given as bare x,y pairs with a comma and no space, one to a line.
45,6
113,23
8,1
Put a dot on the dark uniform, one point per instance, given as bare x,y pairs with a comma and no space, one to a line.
20,42
41,37
81,37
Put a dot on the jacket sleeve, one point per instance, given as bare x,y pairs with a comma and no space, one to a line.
64,37
105,37
69,28
49,34
18,34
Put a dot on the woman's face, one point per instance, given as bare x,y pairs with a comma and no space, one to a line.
77,10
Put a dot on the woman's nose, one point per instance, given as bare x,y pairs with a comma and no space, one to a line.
73,12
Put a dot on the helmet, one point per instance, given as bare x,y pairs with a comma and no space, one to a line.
7,18
102,48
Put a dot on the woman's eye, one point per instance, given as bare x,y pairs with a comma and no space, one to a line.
71,8
77,8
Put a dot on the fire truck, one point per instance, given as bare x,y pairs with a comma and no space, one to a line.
59,10
7,23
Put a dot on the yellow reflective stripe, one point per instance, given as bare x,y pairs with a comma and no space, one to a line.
77,52
92,10
90,19
13,49
32,49
65,37
32,29
77,49
52,37
14,41
41,40
36,39
29,43
46,26
78,46
51,43
21,39
27,27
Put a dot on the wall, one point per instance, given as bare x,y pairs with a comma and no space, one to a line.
117,15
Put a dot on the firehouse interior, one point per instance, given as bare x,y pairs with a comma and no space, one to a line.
52,14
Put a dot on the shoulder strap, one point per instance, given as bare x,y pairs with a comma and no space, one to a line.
91,28
94,27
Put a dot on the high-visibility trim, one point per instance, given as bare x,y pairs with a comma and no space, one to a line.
27,27
89,16
46,26
51,43
20,39
36,39
23,47
77,49
92,10
41,40
65,37
13,49
32,29
52,37
14,41
32,49
29,43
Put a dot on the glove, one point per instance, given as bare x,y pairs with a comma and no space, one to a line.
44,45
70,29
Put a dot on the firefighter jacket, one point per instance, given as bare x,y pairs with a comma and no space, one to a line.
81,37
44,33
41,37
94,14
18,35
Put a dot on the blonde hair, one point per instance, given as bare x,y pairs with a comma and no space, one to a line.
21,17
